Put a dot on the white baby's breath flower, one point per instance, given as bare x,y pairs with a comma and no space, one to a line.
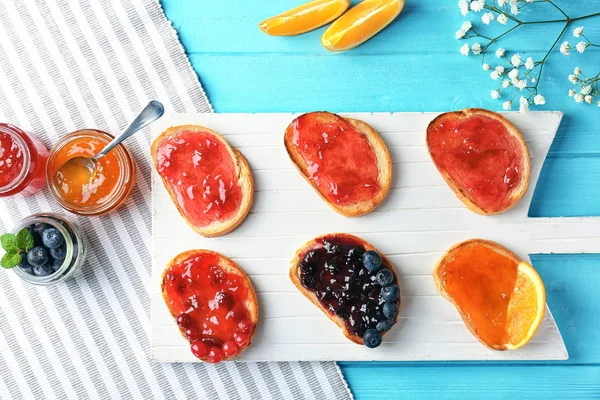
500,69
589,99
513,74
538,100
477,5
586,90
577,71
487,17
599,104
460,34
486,67
464,49
514,7
523,104
515,60
494,75
464,7
577,32
565,48
505,83
578,98
529,64
507,105
495,94
573,78
501,3
571,93
581,46
466,26
533,80
476,49
502,19
500,52
521,84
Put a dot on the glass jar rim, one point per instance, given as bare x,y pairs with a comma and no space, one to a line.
15,133
122,189
45,218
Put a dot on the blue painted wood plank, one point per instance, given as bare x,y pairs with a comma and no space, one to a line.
414,65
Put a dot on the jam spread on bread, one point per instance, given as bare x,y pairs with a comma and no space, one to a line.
480,281
480,156
201,175
209,305
347,282
339,160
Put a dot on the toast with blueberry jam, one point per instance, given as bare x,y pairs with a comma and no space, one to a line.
209,182
353,283
213,303
344,160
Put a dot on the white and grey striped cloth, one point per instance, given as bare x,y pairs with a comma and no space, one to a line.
67,65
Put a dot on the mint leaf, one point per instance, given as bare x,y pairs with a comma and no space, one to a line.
10,260
25,240
9,243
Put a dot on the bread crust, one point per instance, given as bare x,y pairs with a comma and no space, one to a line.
244,177
229,266
295,278
517,192
437,277
384,165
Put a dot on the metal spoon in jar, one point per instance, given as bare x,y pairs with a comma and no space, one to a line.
153,111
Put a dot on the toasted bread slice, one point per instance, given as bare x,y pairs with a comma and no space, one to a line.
249,302
241,174
500,298
295,277
360,197
489,178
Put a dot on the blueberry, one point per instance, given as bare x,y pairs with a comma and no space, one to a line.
385,277
372,260
390,310
390,293
42,270
40,227
59,253
37,239
372,338
56,264
25,266
52,238
38,256
383,326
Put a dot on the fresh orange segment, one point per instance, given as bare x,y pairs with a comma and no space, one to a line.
525,308
304,18
361,23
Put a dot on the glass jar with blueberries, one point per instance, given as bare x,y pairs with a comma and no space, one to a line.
58,253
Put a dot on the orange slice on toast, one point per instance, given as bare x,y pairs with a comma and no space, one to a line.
304,18
500,298
361,23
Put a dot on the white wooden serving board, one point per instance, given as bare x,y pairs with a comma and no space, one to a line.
419,220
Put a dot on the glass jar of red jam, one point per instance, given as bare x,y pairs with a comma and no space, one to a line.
78,191
22,162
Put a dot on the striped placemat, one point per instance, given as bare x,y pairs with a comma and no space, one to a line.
67,65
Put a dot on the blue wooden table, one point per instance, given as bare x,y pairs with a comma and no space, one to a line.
414,65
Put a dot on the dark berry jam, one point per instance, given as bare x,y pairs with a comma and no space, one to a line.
334,271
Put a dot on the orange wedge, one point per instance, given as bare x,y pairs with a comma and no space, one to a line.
361,23
304,18
525,308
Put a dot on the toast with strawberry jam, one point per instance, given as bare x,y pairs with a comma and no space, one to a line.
351,282
344,160
209,181
482,157
213,303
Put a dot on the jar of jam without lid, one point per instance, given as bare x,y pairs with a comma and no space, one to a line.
79,191
63,249
22,162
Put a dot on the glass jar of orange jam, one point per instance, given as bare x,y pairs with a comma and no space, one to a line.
78,191
22,162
